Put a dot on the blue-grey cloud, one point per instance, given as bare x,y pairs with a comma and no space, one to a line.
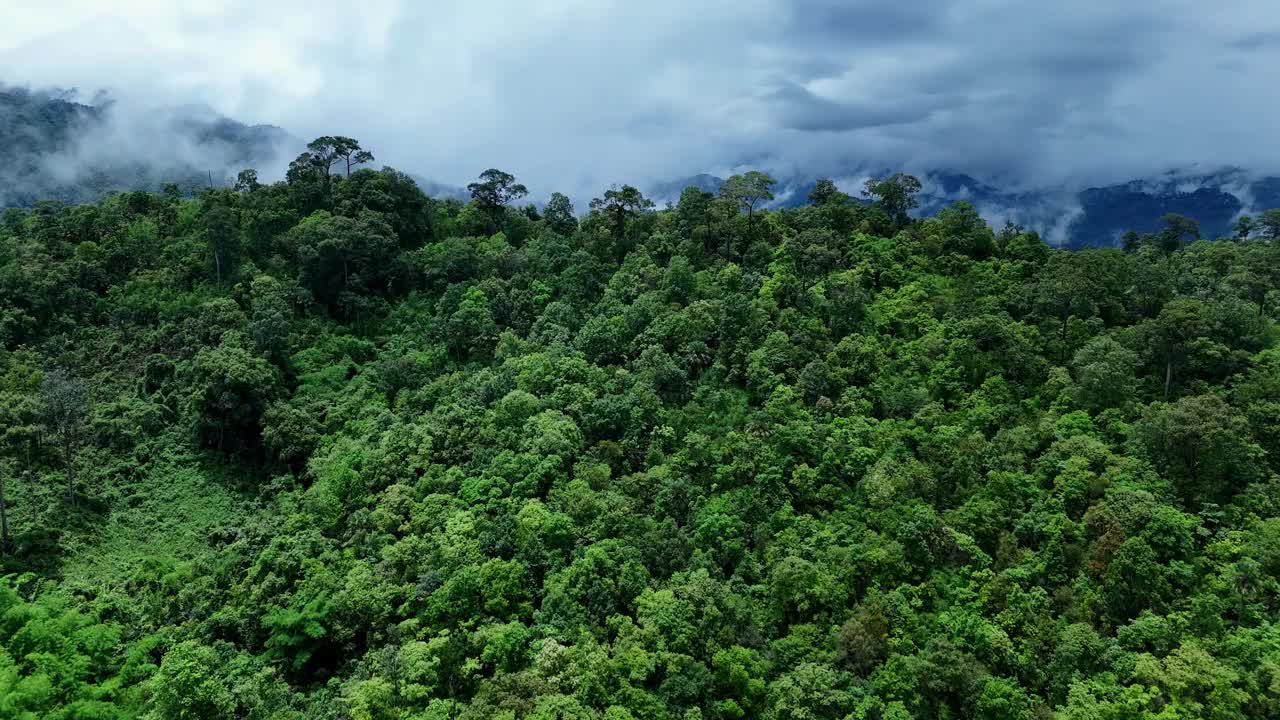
1258,40
800,109
844,22
577,94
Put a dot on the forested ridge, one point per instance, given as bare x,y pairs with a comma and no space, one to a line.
329,448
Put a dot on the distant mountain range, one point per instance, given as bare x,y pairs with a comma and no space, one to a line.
1088,217
58,148
61,149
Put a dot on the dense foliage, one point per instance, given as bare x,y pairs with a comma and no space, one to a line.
328,448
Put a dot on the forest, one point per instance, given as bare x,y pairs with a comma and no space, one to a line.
331,448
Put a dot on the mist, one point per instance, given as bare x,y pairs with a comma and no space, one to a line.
575,95
68,147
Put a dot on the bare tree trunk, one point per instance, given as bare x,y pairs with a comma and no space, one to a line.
4,519
1168,377
69,456
1062,358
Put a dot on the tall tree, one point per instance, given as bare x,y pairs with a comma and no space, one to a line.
749,191
1255,273
1180,323
693,214
4,510
825,192
559,214
1066,287
269,319
896,195
1177,230
1202,445
66,407
620,205
229,389
1245,227
222,235
328,151
1105,373
340,255
496,189
310,174
1130,241
247,180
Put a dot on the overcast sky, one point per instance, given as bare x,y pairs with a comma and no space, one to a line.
575,94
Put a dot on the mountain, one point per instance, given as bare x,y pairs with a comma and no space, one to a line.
670,190
34,127
1094,216
61,149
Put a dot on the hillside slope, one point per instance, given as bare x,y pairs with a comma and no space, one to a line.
329,448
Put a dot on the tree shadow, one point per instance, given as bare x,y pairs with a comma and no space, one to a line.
37,550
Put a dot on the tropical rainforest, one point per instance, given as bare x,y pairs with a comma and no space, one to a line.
331,448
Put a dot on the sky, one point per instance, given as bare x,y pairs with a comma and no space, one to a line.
576,94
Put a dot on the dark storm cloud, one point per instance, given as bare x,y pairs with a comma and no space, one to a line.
576,94
844,22
1265,39
801,109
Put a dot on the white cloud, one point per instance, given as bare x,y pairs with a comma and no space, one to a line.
576,94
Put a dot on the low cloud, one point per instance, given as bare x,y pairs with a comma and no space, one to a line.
800,109
71,150
576,94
